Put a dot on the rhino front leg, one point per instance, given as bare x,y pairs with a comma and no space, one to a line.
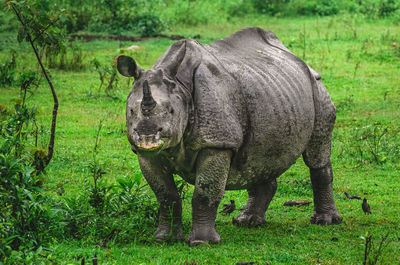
162,183
257,204
212,171
325,211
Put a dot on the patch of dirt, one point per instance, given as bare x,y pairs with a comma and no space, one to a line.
89,37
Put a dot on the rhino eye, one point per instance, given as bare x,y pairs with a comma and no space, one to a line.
131,111
169,108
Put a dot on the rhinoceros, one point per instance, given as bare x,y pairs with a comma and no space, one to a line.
233,114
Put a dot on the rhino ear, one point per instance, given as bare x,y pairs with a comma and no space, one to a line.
181,61
189,64
127,66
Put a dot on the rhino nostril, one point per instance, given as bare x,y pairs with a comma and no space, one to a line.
158,134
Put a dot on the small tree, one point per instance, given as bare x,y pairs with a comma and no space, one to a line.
42,30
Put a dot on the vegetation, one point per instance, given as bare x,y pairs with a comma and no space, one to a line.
92,199
151,17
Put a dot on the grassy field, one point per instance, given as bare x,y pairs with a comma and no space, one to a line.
360,65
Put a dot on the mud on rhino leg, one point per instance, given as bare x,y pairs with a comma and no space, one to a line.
212,169
257,204
162,183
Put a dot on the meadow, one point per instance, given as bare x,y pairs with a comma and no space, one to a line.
359,60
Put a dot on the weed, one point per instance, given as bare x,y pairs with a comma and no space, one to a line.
70,58
97,193
107,73
376,143
346,104
371,253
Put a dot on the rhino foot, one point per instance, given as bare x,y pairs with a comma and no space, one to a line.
165,233
249,219
326,218
203,235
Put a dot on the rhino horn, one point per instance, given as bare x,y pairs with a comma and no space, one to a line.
148,103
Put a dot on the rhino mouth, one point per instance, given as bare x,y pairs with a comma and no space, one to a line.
152,146
149,143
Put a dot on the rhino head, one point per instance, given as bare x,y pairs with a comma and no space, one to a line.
158,107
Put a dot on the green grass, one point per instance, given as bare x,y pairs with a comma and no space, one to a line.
361,70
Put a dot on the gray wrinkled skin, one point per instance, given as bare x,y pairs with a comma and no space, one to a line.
234,114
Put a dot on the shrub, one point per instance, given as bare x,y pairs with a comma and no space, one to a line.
313,7
271,7
7,70
239,8
28,218
148,25
388,7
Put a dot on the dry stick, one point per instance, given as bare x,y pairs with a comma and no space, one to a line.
53,92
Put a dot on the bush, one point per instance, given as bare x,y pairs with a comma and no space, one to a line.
7,70
388,7
148,25
125,210
28,218
239,8
271,7
314,7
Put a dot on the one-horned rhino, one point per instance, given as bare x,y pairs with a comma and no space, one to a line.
234,114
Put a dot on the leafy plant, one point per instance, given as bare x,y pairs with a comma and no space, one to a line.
7,70
27,216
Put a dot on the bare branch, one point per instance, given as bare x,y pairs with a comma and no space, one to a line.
53,92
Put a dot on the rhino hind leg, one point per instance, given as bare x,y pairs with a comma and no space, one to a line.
317,158
325,211
259,198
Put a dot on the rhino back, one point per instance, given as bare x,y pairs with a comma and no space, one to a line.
256,99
